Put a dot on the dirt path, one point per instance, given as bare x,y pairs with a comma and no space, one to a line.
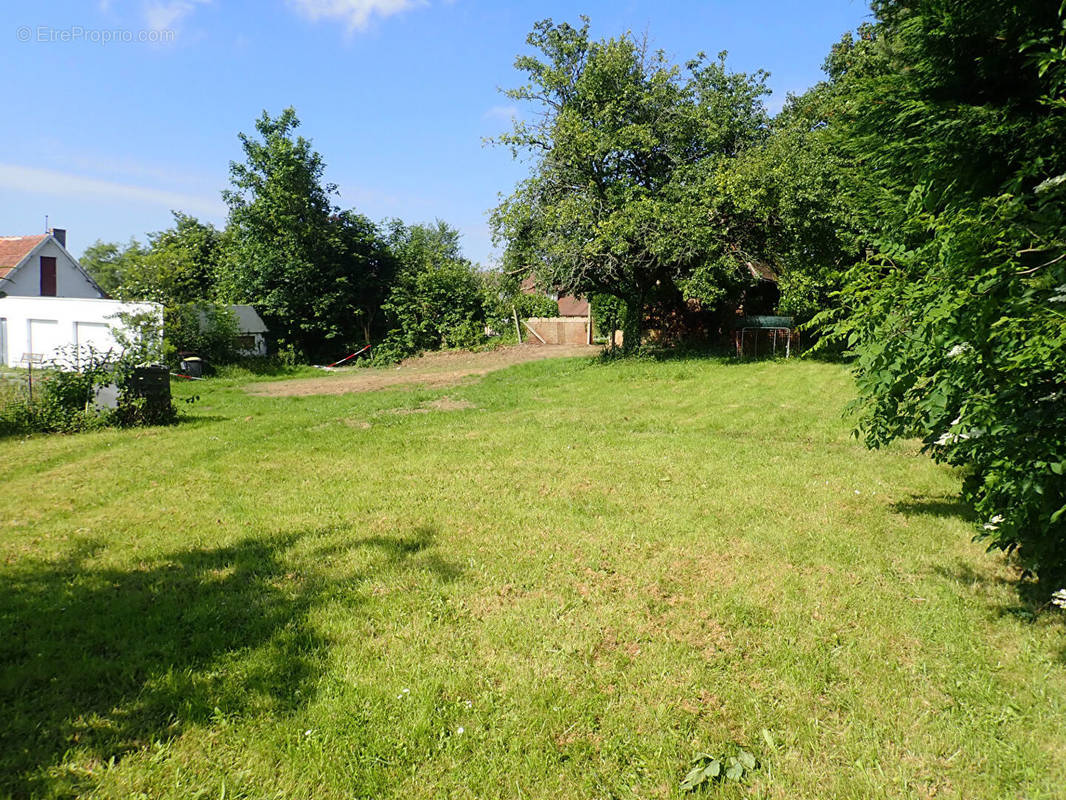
432,369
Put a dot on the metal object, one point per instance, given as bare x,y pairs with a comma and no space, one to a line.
775,327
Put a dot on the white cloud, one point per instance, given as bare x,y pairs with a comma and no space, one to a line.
502,112
165,16
355,14
33,180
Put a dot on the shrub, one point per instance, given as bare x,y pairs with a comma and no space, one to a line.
437,305
535,305
207,329
608,314
63,397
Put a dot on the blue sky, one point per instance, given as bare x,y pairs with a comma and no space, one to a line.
105,137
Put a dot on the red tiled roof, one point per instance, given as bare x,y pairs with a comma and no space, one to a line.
15,248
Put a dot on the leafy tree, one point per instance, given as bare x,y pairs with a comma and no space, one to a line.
208,329
786,201
369,267
314,271
437,299
622,152
955,117
108,262
180,264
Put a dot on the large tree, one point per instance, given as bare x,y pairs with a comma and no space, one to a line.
954,114
436,299
108,262
314,271
180,264
621,151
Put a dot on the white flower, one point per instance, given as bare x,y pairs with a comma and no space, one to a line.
959,350
307,732
993,524
459,731
1059,598
469,704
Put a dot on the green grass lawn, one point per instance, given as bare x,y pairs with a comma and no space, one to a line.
565,581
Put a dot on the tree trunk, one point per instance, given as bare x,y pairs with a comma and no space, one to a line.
633,324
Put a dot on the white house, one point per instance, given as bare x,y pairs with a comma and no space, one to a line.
40,266
46,329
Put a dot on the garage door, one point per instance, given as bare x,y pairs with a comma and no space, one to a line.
44,338
96,335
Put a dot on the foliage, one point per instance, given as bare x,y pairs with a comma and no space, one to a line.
369,268
622,151
437,299
208,329
108,262
608,314
139,337
180,264
535,305
955,115
63,397
785,201
710,769
315,273
60,400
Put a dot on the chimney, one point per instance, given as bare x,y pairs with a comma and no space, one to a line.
60,235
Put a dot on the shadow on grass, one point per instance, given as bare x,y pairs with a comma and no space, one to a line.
943,507
1032,598
98,661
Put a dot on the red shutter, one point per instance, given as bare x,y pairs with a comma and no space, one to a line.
48,276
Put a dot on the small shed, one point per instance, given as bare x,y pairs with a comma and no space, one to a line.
251,331
573,325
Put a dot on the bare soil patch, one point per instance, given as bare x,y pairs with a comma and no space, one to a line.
431,369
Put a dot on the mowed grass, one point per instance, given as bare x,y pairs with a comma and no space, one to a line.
565,580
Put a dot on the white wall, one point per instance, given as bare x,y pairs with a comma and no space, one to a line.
44,325
70,280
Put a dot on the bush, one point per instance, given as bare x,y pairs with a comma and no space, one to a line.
207,329
608,314
962,343
437,305
535,305
63,398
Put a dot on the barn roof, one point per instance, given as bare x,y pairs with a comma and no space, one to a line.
248,320
15,248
